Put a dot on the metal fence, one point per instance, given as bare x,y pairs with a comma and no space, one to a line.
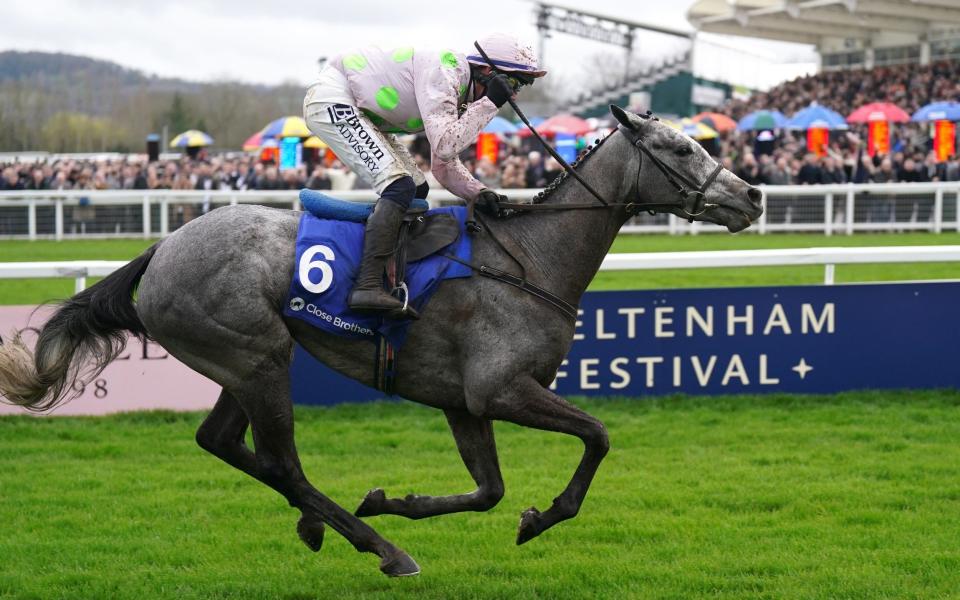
828,209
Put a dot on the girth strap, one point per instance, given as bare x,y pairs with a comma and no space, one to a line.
565,308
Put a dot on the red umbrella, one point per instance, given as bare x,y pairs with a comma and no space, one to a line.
254,141
879,111
561,124
717,121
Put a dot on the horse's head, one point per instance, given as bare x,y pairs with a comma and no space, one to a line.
727,200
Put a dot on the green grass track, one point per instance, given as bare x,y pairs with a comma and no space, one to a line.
853,496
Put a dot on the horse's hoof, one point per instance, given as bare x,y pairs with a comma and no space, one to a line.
311,532
529,525
399,565
371,504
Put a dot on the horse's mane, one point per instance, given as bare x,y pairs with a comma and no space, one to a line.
553,185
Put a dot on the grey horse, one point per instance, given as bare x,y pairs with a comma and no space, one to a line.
212,295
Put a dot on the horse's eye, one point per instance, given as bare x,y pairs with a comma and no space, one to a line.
684,151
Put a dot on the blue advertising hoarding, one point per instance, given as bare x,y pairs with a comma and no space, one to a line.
798,339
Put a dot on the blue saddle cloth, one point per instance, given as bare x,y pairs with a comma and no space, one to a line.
327,261
327,207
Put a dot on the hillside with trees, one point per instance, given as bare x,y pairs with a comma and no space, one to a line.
65,103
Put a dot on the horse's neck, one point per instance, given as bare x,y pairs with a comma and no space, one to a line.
566,247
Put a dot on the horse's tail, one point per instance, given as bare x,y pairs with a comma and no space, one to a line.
85,333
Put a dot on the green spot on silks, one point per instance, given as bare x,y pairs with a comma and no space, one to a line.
354,62
387,98
415,124
402,54
448,59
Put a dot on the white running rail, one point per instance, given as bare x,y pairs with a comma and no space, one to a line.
828,257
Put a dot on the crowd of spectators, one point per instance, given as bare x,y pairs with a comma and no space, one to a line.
517,169
786,160
217,173
909,86
774,160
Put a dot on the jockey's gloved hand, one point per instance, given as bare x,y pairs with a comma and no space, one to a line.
488,202
499,89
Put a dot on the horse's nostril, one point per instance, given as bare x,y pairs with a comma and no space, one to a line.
755,195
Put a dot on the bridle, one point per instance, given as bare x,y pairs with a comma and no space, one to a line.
693,197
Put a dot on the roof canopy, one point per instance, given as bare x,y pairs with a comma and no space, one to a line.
809,21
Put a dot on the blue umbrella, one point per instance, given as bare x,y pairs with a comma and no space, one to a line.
938,111
762,119
817,117
500,125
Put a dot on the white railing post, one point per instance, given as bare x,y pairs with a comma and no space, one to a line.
58,219
233,200
32,219
79,283
828,273
849,209
165,217
957,213
938,210
828,215
146,217
762,221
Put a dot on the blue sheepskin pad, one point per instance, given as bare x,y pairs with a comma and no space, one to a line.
323,206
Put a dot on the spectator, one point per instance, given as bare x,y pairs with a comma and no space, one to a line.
810,173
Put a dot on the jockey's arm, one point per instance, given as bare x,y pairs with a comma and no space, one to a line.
455,177
449,132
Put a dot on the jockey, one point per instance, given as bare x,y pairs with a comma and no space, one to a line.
363,97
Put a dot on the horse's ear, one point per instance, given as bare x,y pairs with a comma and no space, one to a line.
622,116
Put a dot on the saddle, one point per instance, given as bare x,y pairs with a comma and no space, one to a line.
421,234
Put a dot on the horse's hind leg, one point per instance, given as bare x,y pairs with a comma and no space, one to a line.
528,403
474,437
266,402
222,434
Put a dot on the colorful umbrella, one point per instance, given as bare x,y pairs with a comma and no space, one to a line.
938,111
254,141
716,121
817,117
698,131
314,142
500,125
286,127
878,111
761,120
191,139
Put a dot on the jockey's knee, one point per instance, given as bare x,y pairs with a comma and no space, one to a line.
422,190
401,191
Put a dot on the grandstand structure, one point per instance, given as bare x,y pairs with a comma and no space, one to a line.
848,34
667,86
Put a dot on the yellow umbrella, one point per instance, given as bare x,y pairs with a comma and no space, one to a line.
314,142
286,127
191,139
698,131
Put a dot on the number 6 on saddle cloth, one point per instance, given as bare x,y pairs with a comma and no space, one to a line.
329,248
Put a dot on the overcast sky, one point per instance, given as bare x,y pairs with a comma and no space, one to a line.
280,40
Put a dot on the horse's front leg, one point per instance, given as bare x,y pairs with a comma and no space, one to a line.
474,437
526,402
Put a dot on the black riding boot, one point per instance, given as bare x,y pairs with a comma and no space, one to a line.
379,243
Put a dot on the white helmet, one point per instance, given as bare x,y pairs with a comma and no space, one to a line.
508,54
